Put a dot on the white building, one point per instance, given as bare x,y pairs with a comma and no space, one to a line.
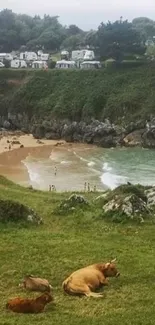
28,56
39,65
2,65
16,64
6,56
89,55
78,55
44,57
64,55
64,64
90,65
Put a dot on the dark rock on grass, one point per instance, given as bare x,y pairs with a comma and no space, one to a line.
72,203
75,199
11,211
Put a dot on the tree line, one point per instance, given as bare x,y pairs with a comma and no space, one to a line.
115,40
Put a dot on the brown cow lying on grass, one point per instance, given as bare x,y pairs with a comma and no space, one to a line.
35,284
22,305
92,277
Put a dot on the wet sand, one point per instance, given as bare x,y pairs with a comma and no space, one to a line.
11,155
12,166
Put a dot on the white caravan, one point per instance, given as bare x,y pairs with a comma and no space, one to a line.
91,65
39,65
16,64
6,56
28,56
63,64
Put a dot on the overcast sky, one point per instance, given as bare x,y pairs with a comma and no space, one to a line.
84,13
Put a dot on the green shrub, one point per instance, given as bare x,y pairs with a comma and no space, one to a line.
52,64
11,211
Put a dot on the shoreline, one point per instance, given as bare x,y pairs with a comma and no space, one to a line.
22,145
14,162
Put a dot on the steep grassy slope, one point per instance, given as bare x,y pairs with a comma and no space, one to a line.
80,95
65,243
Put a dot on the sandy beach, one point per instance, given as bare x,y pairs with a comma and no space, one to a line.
14,140
15,147
28,161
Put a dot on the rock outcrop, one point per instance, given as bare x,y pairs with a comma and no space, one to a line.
131,207
104,134
71,204
129,203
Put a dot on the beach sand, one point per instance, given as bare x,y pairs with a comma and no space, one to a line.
27,140
71,176
11,159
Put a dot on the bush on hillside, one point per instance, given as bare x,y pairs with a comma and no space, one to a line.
71,204
116,93
125,189
6,63
11,211
52,64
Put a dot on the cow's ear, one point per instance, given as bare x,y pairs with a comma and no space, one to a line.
107,265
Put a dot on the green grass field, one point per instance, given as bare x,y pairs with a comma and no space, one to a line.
65,243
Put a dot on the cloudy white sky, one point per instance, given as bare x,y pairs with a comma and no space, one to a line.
85,13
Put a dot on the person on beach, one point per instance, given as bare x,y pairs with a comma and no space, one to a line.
55,170
85,186
88,187
9,146
94,188
49,188
53,188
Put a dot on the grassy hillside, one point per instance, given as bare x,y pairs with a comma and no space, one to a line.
65,243
80,95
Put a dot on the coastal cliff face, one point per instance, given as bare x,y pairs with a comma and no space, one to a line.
106,108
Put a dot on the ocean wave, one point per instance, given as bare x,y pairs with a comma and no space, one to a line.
106,167
81,158
65,162
112,180
91,163
34,176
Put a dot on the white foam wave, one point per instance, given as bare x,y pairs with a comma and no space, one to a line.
65,162
106,167
34,175
54,158
112,181
81,158
91,163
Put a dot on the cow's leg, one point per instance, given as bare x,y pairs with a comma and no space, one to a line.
83,289
104,281
93,294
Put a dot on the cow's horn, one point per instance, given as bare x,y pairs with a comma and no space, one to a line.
113,261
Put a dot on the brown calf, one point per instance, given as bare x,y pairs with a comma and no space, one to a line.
35,284
21,305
